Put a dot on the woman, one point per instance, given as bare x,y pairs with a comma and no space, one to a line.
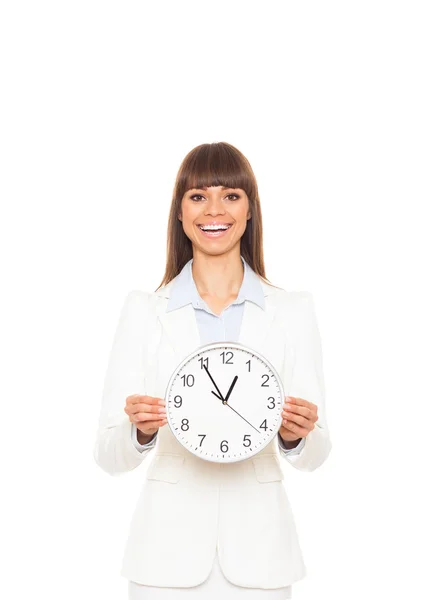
201,527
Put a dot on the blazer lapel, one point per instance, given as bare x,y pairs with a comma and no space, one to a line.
256,324
180,327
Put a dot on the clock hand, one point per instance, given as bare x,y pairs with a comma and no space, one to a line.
243,418
231,388
225,401
214,383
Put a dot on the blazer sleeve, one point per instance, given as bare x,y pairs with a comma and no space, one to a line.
307,381
142,447
114,450
296,450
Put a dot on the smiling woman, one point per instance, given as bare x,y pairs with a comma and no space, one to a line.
199,530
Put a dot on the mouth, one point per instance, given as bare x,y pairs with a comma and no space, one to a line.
216,231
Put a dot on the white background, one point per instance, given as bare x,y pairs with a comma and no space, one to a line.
100,102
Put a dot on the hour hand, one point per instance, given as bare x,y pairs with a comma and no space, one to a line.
231,388
225,400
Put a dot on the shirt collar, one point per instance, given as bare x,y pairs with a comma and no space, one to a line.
184,291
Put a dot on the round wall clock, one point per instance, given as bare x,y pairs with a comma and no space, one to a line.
224,402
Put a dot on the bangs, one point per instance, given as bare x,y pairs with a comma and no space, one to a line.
215,165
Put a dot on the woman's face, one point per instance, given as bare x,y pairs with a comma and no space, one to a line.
214,206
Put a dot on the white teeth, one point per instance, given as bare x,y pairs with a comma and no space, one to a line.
215,227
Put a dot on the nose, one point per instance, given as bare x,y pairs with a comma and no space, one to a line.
214,207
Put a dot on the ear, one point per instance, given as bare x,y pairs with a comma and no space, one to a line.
248,215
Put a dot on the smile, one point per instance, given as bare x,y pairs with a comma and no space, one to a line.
214,231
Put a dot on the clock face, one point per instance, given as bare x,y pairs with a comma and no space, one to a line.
224,402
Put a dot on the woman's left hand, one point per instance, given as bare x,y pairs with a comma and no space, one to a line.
299,418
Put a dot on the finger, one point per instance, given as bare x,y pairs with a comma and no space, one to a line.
155,425
142,417
138,398
300,402
295,429
297,409
145,408
293,418
135,398
140,403
290,420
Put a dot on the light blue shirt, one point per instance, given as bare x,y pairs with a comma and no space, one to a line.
212,327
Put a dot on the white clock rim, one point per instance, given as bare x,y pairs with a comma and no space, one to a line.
226,345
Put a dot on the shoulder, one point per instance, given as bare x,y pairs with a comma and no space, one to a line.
298,316
295,309
136,299
141,303
288,299
301,298
136,305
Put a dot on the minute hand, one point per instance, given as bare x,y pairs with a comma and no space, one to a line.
226,402
214,383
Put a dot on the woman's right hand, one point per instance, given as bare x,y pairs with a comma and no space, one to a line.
146,412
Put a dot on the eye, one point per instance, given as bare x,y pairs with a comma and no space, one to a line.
195,197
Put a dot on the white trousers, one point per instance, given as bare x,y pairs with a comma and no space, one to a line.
211,589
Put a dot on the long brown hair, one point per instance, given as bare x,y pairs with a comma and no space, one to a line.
214,164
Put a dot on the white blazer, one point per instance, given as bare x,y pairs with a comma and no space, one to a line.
189,507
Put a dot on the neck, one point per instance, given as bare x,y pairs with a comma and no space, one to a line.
218,275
